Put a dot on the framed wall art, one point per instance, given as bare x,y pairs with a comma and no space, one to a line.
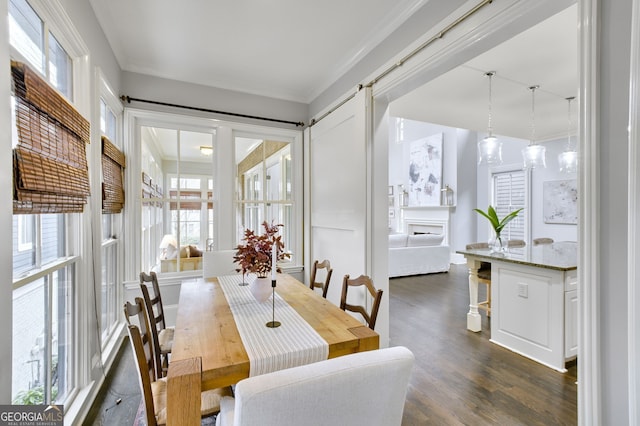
560,201
425,171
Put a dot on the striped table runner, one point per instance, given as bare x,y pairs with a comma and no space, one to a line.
292,344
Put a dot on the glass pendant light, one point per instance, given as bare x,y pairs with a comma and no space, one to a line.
534,154
568,159
489,148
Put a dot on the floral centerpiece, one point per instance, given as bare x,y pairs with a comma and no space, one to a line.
498,225
256,254
259,255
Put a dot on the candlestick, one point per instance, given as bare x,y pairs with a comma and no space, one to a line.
274,260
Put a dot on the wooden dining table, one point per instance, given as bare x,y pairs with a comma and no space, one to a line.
208,351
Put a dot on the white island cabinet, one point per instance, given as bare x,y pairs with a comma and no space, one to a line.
534,304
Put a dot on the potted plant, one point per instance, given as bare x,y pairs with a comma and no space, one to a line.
258,255
496,245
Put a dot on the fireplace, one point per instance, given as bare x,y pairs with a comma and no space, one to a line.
426,220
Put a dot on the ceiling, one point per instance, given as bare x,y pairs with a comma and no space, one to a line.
286,49
278,51
545,55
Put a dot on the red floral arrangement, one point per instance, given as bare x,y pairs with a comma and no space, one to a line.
255,255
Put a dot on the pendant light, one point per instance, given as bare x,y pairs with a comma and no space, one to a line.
489,148
533,154
568,159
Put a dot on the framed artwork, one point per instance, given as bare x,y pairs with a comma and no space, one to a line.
390,189
425,171
392,202
560,201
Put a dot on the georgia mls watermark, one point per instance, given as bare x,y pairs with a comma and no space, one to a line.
31,415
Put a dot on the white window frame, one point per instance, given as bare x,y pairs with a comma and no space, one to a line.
58,23
514,168
224,195
108,95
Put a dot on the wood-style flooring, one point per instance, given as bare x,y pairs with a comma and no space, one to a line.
459,377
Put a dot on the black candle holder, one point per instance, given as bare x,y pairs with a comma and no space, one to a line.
273,323
243,282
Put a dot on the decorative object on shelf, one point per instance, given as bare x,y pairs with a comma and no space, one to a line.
447,196
568,159
496,245
534,154
490,148
256,256
404,197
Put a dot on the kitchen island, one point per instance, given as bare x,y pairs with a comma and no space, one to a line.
534,300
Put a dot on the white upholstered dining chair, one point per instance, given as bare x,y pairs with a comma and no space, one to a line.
217,263
365,388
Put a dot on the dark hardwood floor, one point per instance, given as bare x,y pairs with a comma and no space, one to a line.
460,377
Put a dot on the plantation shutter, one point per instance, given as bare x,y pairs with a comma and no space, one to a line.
50,171
113,164
509,195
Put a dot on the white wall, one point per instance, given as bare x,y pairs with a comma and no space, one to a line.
177,92
470,182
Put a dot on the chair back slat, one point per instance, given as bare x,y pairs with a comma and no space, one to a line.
140,354
155,300
363,280
324,285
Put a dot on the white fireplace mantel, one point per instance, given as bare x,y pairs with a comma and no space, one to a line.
434,219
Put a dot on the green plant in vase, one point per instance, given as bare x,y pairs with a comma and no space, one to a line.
498,225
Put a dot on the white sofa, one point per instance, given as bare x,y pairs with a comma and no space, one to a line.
417,254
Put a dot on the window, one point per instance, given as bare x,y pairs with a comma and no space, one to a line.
44,265
111,225
205,198
177,194
265,183
31,38
509,194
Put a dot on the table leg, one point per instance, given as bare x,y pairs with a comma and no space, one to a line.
183,392
474,320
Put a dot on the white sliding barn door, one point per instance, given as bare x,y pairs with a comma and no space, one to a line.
339,193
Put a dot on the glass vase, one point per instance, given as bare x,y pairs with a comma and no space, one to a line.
497,244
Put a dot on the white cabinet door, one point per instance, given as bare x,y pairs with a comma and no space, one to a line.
571,324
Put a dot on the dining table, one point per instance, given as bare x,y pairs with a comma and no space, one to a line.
208,348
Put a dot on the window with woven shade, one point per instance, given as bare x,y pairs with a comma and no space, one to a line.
50,165
113,164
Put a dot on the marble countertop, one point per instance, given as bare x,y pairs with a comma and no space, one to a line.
562,256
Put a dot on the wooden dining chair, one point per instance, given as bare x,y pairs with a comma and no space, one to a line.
324,285
363,280
544,240
162,335
154,389
152,362
516,243
484,277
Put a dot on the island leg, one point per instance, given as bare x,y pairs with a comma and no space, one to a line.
474,320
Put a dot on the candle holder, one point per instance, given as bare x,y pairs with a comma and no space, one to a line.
243,282
273,323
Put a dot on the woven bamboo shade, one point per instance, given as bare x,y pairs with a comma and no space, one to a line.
50,165
189,200
113,164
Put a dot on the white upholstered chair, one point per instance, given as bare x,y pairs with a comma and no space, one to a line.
366,388
217,263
